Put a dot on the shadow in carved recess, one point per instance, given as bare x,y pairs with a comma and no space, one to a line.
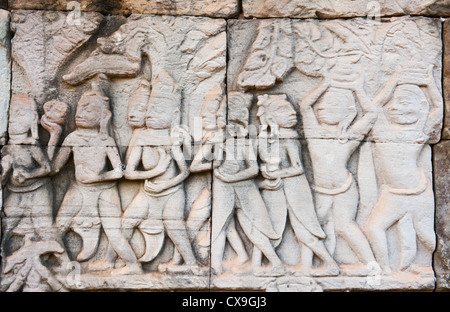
248,206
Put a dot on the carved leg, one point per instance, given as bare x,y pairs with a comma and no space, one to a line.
324,213
41,204
424,224
222,216
408,244
344,214
386,212
316,245
236,242
263,243
70,207
14,213
110,216
173,218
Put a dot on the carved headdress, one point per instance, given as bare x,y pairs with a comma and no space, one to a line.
238,113
264,106
24,102
267,105
239,105
166,90
96,96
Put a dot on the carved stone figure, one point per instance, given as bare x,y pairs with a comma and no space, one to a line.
55,113
92,202
213,127
25,171
285,189
158,207
334,185
340,198
28,205
136,112
239,195
410,110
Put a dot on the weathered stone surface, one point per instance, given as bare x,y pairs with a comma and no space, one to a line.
139,159
5,72
129,94
441,169
367,58
5,78
316,100
446,79
212,8
346,8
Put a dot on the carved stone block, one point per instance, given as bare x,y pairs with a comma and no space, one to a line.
338,116
138,158
346,8
441,153
105,122
5,72
446,79
212,8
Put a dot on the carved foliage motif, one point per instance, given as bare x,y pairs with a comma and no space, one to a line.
311,171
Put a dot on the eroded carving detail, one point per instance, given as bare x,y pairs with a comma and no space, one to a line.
312,171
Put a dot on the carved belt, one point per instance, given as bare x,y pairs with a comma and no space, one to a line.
28,188
415,191
344,188
163,193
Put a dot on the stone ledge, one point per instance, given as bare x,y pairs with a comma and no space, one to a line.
211,8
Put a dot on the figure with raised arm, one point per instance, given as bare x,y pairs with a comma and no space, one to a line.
410,110
332,138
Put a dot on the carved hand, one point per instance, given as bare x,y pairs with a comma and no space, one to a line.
414,77
156,187
164,160
221,176
51,127
20,175
270,175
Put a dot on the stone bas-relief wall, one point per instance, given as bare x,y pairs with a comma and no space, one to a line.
442,178
212,8
158,152
343,8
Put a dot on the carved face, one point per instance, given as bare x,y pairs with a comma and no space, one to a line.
161,113
406,105
334,107
89,113
56,111
136,115
238,122
283,114
209,116
22,115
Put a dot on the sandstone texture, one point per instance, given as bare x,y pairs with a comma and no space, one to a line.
441,176
343,9
175,145
5,72
212,8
